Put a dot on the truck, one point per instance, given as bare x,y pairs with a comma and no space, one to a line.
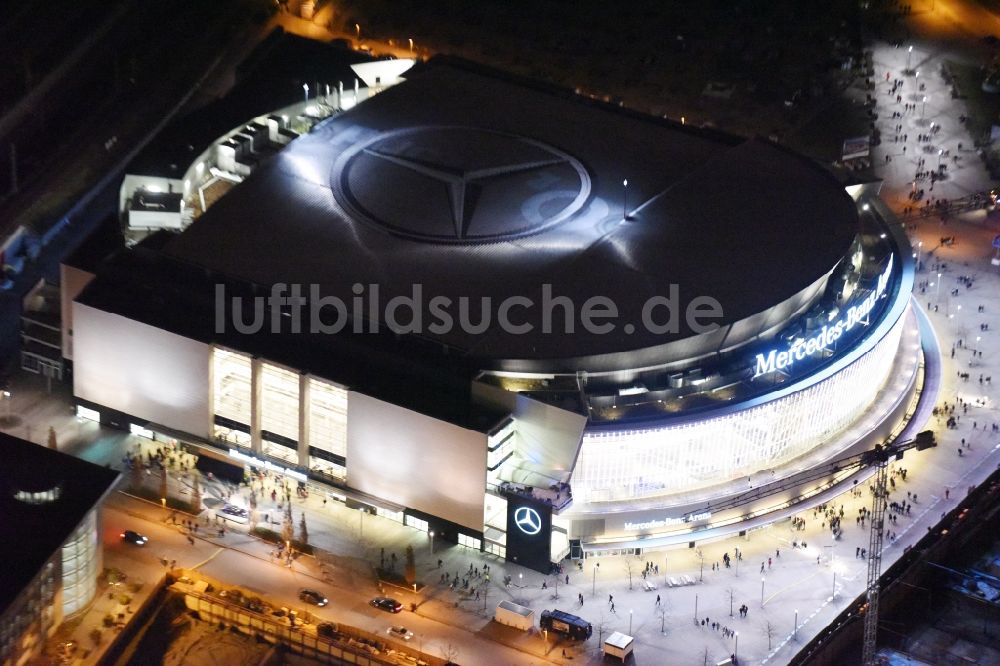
516,616
618,645
565,623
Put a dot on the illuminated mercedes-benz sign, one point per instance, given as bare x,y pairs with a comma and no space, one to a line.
528,520
453,184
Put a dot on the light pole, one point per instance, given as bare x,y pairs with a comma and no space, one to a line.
593,584
411,44
736,648
909,52
696,608
937,295
305,90
795,629
920,247
357,30
762,591
923,106
432,542
625,199
630,622
940,153
834,595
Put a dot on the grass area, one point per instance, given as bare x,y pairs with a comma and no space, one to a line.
273,537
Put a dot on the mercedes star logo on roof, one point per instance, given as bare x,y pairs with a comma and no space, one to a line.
459,184
528,520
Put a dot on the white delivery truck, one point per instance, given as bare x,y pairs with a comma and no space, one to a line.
513,615
618,645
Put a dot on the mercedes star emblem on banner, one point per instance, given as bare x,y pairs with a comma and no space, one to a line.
528,520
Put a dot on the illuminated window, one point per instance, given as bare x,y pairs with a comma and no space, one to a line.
88,413
327,417
422,525
279,401
466,540
232,385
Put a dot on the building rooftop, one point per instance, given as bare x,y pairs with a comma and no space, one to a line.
44,495
474,184
270,78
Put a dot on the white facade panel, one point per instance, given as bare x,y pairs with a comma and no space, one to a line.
416,461
141,370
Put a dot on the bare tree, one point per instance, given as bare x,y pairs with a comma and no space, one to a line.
602,626
770,632
163,482
661,612
449,651
195,492
303,530
629,564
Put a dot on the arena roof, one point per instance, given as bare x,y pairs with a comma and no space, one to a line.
472,183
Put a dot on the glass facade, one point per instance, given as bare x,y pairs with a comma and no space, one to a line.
232,385
327,417
647,462
279,413
80,561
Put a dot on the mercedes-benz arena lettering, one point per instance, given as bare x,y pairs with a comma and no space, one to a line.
541,442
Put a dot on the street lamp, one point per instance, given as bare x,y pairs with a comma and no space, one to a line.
357,29
432,542
761,590
923,107
305,90
909,52
834,595
630,622
937,295
940,153
736,648
795,629
625,199
593,584
920,246
411,44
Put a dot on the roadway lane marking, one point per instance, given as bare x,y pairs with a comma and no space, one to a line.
207,559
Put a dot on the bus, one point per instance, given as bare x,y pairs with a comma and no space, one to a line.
563,623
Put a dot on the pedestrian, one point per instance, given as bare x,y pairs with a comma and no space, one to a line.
657,600
611,599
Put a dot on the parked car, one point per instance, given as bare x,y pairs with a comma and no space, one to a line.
313,597
134,538
387,604
400,632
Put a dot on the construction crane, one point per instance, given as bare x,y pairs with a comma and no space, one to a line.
879,458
